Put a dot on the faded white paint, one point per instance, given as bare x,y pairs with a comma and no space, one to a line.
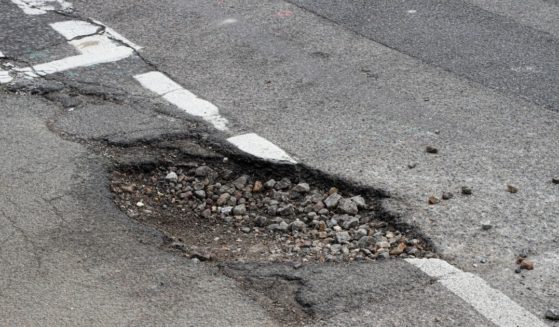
489,302
5,77
412,11
1,54
72,29
40,7
227,21
185,100
260,147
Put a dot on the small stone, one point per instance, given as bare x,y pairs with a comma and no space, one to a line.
172,177
332,190
239,210
207,213
286,210
270,184
434,200
486,225
351,223
323,211
447,195
359,201
337,228
257,187
512,189
364,242
283,184
241,182
412,165
466,190
399,249
518,270
347,206
555,180
301,188
204,171
128,188
298,226
342,237
552,314
527,264
431,149
332,200
281,227
200,194
260,221
335,249
223,198
227,210
245,230
140,204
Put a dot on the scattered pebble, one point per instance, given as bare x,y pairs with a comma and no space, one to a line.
552,314
527,264
172,177
447,195
431,149
412,165
466,190
555,180
434,200
486,225
512,188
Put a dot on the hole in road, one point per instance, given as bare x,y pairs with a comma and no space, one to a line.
215,209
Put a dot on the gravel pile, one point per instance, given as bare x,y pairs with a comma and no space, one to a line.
215,213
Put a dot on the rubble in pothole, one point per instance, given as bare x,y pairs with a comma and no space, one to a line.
214,213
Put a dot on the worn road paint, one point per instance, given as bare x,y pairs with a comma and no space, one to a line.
41,7
5,77
171,91
227,21
412,11
1,54
489,302
260,147
114,35
72,29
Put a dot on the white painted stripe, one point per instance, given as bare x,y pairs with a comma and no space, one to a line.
40,7
71,29
187,101
489,302
1,54
260,147
84,60
157,82
5,77
117,36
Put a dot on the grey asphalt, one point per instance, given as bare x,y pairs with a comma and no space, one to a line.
347,103
362,104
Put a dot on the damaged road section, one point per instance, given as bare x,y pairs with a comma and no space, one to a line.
234,210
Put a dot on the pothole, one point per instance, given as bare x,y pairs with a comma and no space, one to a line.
217,209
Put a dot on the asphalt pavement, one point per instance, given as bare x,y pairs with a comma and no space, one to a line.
357,90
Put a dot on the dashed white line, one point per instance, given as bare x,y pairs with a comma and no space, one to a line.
260,147
41,7
489,302
171,91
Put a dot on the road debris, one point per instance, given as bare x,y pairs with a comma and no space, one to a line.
431,149
512,188
216,213
552,314
447,195
525,264
434,200
466,190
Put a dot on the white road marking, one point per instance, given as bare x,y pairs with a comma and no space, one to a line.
94,49
1,54
489,302
260,147
41,7
171,91
5,77
117,36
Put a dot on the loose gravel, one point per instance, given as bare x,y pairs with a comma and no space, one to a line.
213,212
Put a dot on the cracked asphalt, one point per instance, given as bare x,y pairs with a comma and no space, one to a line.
357,90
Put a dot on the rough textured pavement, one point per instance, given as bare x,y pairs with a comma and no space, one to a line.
362,104
347,103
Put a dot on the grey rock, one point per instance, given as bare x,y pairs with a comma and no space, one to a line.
383,255
350,223
286,210
323,212
335,249
301,188
172,177
240,182
447,195
466,190
260,221
239,210
281,227
359,201
277,220
347,206
227,210
205,171
200,194
283,184
245,230
486,225
270,184
555,180
298,226
207,213
364,242
332,200
360,233
342,237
